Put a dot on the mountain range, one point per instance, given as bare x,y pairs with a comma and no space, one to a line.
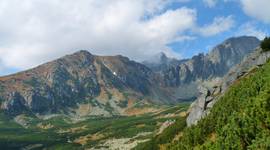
83,84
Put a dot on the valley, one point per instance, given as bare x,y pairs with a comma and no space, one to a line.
134,75
96,133
89,102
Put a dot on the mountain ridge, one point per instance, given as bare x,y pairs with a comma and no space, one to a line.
84,84
191,72
75,78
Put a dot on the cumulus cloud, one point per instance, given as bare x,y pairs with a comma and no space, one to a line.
258,9
210,3
213,3
35,31
219,25
250,29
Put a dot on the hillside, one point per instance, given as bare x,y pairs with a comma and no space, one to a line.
239,118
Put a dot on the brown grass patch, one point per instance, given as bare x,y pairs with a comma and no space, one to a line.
73,130
183,114
178,136
140,126
213,137
84,109
103,96
45,126
84,139
139,111
116,94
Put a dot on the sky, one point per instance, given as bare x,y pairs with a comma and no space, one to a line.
33,32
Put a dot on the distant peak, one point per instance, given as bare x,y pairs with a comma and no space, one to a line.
162,56
82,52
121,56
158,58
80,56
242,38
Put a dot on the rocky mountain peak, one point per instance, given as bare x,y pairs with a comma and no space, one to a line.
82,52
163,57
157,59
82,56
235,47
242,39
161,62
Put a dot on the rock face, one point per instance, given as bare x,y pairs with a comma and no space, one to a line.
187,73
108,84
210,94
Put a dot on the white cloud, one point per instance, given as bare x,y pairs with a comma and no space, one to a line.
210,3
258,9
35,31
213,3
250,29
182,1
219,25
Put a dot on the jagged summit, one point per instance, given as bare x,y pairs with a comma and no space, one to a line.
161,62
162,57
157,59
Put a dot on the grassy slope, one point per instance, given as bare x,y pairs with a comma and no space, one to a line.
13,136
169,134
239,120
165,137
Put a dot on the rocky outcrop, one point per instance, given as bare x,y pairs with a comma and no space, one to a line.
211,94
15,104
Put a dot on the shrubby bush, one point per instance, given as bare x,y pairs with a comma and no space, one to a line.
265,44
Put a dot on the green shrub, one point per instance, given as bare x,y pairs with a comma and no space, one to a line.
265,44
